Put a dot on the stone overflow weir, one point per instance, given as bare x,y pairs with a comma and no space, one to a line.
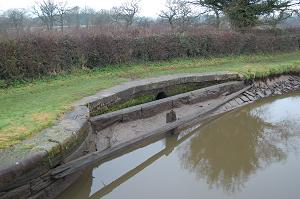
122,119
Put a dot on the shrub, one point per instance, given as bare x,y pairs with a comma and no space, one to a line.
35,55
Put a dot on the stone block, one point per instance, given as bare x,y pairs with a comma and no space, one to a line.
153,108
102,121
131,114
171,117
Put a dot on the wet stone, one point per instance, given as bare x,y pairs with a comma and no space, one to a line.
251,98
228,106
260,94
250,93
268,92
233,103
245,99
239,101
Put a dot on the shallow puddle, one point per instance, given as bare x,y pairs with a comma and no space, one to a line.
252,152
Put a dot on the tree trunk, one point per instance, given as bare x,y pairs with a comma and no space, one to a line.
218,22
62,24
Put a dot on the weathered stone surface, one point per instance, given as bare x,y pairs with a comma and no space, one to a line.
179,101
233,103
40,183
156,107
250,93
268,92
250,97
239,101
171,117
105,120
22,192
88,145
228,106
18,174
131,113
53,190
259,93
244,98
215,91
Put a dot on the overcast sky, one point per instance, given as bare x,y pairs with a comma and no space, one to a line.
150,8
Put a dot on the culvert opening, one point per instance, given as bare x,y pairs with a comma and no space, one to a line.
161,95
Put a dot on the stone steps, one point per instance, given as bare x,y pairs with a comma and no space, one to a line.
262,89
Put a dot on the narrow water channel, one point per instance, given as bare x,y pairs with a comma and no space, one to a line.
251,152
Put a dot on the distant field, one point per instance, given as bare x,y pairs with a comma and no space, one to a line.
26,109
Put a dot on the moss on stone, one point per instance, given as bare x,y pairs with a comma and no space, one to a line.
132,102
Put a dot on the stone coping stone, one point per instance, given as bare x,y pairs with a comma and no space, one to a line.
36,156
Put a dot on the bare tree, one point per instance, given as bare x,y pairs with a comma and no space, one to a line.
209,7
186,14
74,16
170,14
88,15
126,12
47,12
62,11
115,14
3,24
178,13
102,17
17,18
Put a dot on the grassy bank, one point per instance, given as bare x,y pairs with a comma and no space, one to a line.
26,109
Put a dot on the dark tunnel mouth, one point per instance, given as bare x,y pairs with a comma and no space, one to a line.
161,95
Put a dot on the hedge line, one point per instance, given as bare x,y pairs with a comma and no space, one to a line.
33,56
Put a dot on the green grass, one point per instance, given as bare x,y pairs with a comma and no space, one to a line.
27,108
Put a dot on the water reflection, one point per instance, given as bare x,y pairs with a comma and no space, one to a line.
224,154
228,150
170,143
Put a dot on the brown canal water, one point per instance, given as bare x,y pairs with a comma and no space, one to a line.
251,152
